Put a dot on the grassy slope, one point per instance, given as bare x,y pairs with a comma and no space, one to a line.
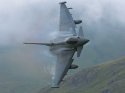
103,78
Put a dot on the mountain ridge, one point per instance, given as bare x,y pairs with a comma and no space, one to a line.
108,77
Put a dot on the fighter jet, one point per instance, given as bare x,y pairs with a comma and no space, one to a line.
66,44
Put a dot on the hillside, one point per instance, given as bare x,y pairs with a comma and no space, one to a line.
104,78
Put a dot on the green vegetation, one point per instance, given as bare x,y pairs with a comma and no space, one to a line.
104,78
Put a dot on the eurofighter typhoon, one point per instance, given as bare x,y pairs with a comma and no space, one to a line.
66,44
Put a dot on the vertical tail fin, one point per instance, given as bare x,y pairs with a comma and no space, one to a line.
80,34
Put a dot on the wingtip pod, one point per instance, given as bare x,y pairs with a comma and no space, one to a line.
55,86
70,8
77,21
62,2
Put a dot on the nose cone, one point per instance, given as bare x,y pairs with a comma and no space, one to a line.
86,41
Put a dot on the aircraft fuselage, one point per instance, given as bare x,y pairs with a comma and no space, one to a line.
69,42
76,41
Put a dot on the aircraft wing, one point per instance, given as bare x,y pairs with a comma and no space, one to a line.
64,60
66,20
